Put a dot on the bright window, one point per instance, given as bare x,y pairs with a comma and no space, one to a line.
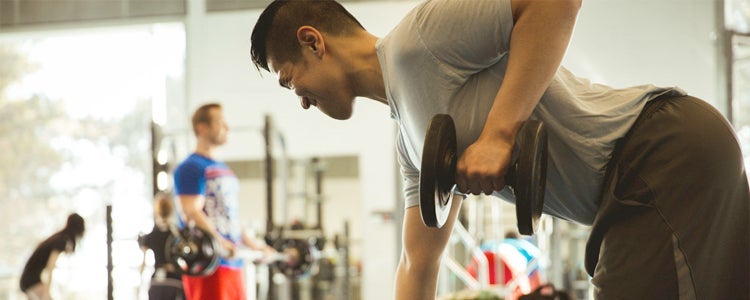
75,115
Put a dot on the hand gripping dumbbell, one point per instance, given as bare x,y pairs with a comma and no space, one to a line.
526,176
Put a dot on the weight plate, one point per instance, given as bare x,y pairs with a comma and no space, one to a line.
530,176
437,175
193,251
301,257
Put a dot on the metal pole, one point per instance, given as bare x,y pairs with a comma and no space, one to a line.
347,286
318,192
110,266
270,227
725,57
267,135
155,139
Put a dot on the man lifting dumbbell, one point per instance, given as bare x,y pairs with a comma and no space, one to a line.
658,174
208,197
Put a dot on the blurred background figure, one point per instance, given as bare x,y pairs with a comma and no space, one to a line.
166,281
36,278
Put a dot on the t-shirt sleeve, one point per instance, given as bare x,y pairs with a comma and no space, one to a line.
409,173
468,36
189,180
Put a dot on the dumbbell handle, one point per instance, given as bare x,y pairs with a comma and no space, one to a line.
509,179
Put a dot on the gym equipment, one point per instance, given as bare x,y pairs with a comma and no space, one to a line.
196,253
299,257
193,250
526,175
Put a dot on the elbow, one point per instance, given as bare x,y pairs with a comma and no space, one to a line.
570,8
190,213
574,5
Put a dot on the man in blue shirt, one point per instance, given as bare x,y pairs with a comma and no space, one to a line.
208,195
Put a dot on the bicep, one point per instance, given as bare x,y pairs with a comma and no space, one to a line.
192,204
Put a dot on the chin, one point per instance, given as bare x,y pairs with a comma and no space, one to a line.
341,116
338,115
220,142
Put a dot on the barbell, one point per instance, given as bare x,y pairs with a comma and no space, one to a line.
526,176
195,252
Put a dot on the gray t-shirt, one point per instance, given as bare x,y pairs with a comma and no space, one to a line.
450,57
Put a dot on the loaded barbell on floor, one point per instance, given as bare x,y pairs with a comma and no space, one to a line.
526,175
197,253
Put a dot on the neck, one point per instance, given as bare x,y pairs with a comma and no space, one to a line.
366,75
162,223
204,148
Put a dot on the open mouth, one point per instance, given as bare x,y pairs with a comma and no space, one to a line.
307,102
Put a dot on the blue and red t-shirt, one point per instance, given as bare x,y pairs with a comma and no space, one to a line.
200,175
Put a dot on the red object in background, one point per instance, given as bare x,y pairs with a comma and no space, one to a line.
507,274
513,264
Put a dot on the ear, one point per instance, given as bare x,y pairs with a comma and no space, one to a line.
201,128
311,40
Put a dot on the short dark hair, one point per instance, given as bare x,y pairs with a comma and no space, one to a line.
202,115
275,31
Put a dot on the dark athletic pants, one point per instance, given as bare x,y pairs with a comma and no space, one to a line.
673,222
166,289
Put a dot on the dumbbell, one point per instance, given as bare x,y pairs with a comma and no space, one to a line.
526,176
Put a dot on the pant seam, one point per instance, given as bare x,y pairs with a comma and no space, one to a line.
678,245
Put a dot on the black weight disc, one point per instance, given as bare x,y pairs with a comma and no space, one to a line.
530,175
301,257
437,175
193,251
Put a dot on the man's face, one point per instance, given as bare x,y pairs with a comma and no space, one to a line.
317,81
218,129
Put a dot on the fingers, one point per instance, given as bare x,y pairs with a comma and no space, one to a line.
229,247
498,183
481,168
479,183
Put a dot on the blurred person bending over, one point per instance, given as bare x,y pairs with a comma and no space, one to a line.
166,282
36,278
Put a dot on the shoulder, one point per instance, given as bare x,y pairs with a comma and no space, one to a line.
454,15
453,30
57,241
191,165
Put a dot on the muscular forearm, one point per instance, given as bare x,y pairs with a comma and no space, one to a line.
540,36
